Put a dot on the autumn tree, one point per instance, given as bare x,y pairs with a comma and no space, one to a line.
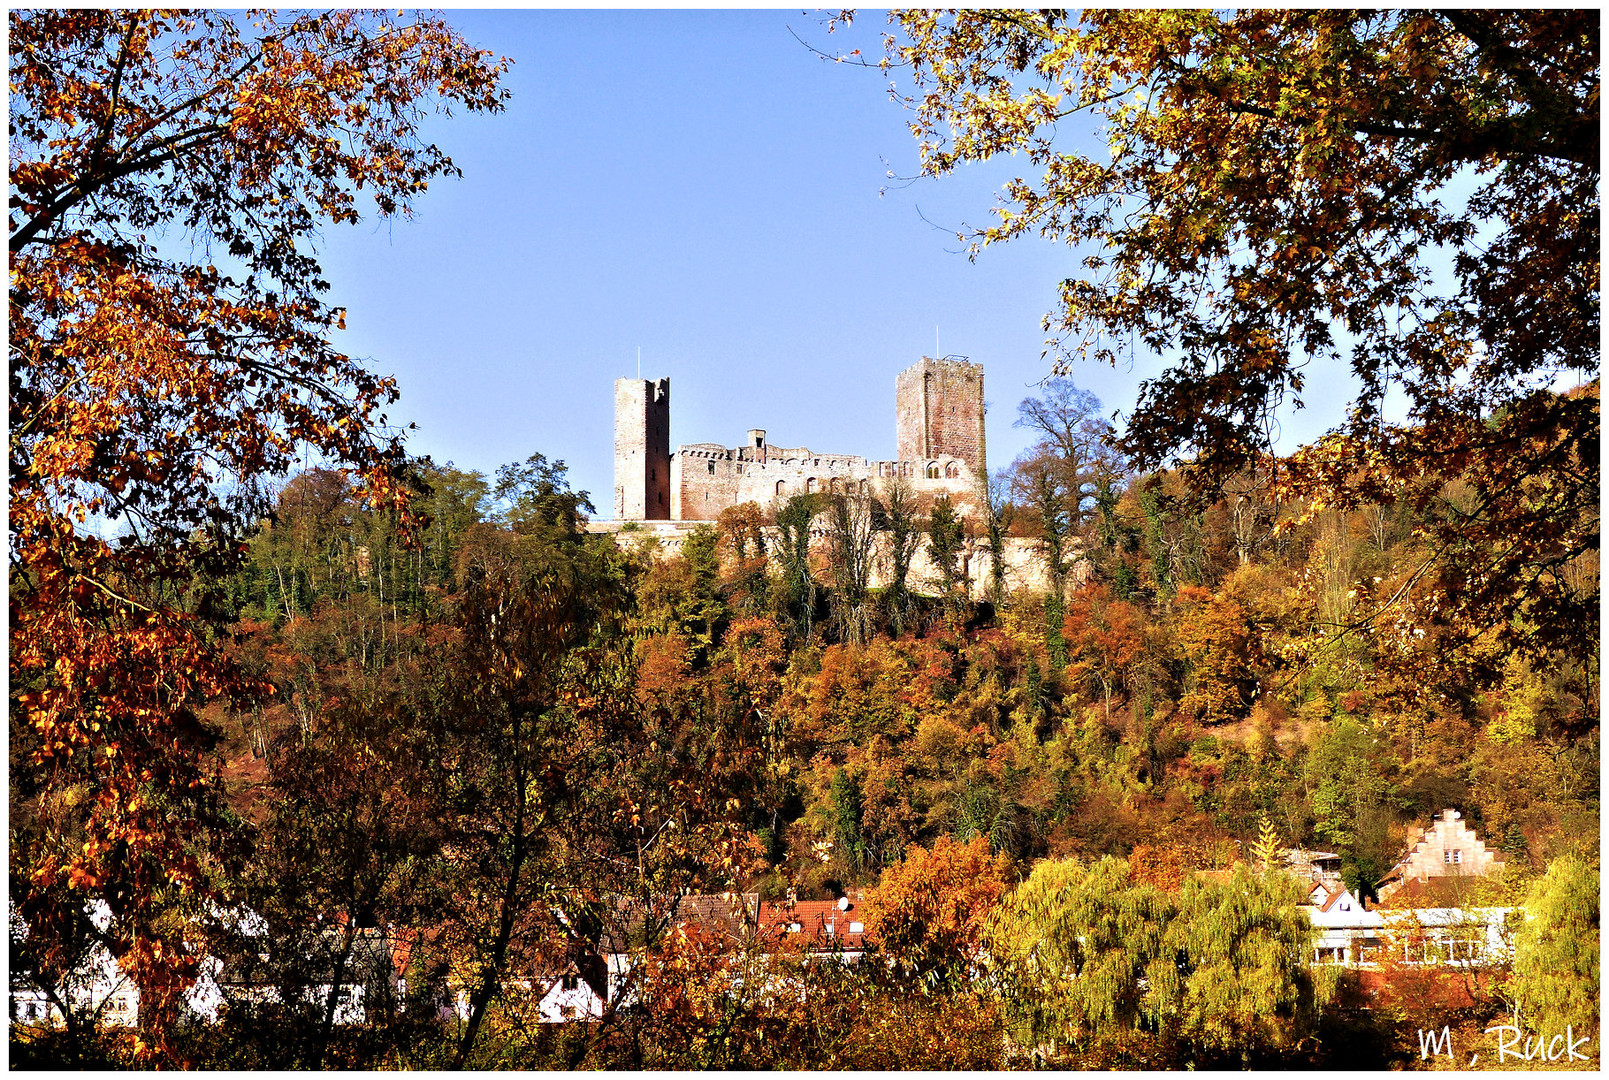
797,592
1093,961
1073,440
851,537
904,529
745,568
1104,638
170,356
928,911
1410,198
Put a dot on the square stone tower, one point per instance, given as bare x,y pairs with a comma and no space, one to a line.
642,449
938,409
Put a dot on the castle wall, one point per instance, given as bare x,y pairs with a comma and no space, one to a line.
1023,557
706,478
642,450
938,412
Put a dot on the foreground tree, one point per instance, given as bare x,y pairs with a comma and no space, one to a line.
1121,972
1556,950
1281,192
927,913
161,394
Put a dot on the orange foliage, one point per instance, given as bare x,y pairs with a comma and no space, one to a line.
161,395
928,911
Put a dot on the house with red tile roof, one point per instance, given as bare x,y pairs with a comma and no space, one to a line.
825,927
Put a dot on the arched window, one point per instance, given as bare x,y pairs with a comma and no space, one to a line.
952,471
832,485
780,486
863,488
932,470
810,486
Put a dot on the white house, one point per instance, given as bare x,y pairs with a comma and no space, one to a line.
96,988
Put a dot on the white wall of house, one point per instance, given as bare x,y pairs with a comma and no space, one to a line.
562,1004
96,988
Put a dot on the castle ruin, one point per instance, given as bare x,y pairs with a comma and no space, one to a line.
938,428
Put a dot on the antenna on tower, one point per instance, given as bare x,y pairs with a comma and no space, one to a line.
936,353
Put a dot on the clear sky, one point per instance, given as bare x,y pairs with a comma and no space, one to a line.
702,187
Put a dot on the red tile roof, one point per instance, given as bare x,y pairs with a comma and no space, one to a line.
824,923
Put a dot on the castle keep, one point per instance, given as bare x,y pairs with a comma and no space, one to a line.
642,449
938,409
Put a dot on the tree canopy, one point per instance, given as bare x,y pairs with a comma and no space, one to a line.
1412,196
170,358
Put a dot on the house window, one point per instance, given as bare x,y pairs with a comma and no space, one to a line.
1458,856
570,981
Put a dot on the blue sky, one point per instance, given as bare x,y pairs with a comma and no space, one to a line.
699,185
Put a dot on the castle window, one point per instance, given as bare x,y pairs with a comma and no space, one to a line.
951,471
711,464
780,486
933,472
810,486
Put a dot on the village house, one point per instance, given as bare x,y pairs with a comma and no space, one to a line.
1449,848
1425,912
827,929
96,990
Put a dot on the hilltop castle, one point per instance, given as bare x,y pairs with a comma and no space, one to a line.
938,428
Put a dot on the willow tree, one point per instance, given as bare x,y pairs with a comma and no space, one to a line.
1408,198
1096,968
1556,978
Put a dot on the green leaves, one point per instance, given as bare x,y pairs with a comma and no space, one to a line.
1084,956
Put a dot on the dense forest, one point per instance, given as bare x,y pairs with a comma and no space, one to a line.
507,719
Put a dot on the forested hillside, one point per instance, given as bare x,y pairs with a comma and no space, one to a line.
493,730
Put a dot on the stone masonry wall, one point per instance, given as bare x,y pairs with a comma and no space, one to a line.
938,412
706,478
642,449
1024,559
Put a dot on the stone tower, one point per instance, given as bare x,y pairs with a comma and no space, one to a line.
938,409
642,449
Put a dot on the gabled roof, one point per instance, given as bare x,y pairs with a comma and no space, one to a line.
578,960
826,925
728,917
